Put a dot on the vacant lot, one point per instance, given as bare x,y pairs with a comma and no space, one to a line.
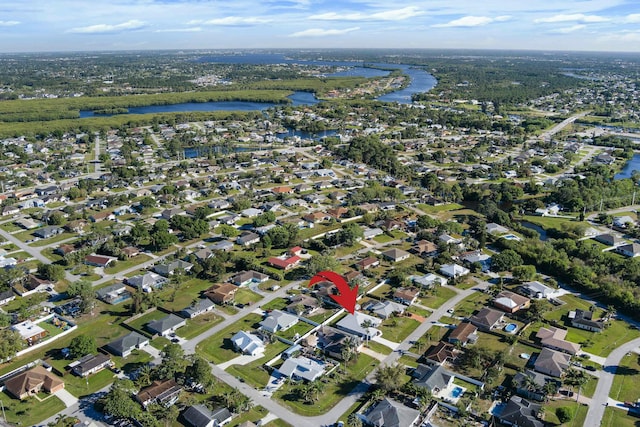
218,348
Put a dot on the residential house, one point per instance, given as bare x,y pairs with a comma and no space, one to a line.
609,239
251,212
493,228
244,278
170,213
630,250
163,393
583,319
7,296
33,284
26,223
221,293
123,346
47,232
32,382
442,352
201,416
90,364
282,190
247,343
511,302
386,309
338,212
366,263
130,251
166,325
203,305
552,362
29,331
425,248
277,321
531,385
146,282
406,296
302,368
428,281
396,255
623,221
464,333
10,210
519,412
433,378
486,319
370,233
99,260
473,257
7,262
223,245
535,289
302,305
449,240
391,413
167,270
353,324
113,294
65,249
285,262
247,238
333,342
101,216
554,338
316,217
454,270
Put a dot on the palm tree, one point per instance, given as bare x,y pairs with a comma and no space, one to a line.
144,376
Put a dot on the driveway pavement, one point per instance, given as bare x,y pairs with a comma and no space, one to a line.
67,398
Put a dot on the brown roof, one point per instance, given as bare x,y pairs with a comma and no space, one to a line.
33,379
130,251
367,262
441,352
338,212
462,332
221,292
406,294
282,189
156,390
425,246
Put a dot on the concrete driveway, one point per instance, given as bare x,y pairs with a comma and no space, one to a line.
67,398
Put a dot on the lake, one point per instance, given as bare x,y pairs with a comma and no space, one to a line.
535,227
632,165
420,81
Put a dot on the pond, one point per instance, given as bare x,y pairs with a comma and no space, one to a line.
632,165
532,226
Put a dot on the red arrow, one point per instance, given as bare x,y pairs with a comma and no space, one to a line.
347,297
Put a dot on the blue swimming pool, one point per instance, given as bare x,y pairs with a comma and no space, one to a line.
511,327
456,392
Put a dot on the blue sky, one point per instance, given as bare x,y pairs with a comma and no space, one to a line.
64,25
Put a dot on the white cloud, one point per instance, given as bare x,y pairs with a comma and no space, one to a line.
634,18
472,21
131,25
233,21
319,32
180,30
9,23
567,30
575,17
387,15
623,36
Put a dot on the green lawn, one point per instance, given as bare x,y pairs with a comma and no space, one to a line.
625,383
579,411
617,418
437,209
437,297
382,292
10,227
379,348
396,329
50,255
246,296
254,414
189,291
472,303
278,423
79,388
384,238
143,320
57,238
589,387
198,325
335,389
299,328
218,348
254,373
159,343
276,304
124,265
30,411
322,316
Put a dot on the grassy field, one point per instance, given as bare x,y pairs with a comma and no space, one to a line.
334,391
30,411
143,320
617,418
299,328
246,296
189,291
276,304
471,304
218,348
579,411
437,209
57,238
198,325
379,348
124,265
625,383
437,297
396,329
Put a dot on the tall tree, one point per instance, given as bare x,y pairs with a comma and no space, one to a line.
82,345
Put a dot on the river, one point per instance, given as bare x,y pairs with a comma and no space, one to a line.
420,81
632,165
